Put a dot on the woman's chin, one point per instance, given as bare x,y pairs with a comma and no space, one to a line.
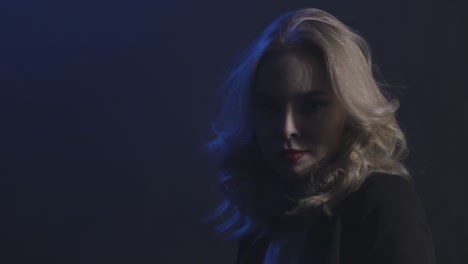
294,175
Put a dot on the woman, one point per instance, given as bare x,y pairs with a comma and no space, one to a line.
309,152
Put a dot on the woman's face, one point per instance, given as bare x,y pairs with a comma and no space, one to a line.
294,109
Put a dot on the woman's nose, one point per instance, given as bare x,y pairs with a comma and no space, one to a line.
289,124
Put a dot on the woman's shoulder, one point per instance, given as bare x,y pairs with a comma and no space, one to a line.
387,212
384,193
382,187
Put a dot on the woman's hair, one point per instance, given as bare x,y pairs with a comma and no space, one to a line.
372,142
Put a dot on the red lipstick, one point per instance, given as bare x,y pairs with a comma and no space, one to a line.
292,154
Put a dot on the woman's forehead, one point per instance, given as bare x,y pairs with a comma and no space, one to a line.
289,74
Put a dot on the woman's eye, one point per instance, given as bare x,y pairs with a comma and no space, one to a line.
266,106
310,107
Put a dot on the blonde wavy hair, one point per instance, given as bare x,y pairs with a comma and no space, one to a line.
373,141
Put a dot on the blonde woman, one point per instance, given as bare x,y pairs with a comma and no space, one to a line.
309,152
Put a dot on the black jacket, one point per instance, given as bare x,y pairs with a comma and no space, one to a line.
383,222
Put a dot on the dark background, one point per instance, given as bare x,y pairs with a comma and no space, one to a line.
104,106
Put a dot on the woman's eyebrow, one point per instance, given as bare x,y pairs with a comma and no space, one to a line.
313,93
261,95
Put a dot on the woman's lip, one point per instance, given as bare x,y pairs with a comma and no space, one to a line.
293,155
292,151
